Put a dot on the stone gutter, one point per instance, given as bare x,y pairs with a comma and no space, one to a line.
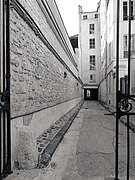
49,140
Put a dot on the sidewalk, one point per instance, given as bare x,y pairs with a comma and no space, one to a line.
123,119
87,151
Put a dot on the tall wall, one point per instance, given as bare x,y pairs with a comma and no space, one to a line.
103,51
44,74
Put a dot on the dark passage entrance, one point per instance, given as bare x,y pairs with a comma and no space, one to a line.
90,94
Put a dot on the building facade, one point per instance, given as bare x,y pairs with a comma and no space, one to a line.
89,54
97,47
110,48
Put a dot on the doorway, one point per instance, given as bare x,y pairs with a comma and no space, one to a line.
91,94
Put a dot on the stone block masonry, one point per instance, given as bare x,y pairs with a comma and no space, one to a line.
49,21
37,77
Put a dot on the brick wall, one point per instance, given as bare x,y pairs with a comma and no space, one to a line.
37,76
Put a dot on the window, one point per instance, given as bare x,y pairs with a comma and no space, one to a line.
125,11
85,17
125,45
96,16
125,48
91,28
92,43
132,16
110,83
92,62
133,43
92,77
110,52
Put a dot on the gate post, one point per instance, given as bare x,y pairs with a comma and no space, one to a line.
128,89
117,96
123,105
5,132
8,83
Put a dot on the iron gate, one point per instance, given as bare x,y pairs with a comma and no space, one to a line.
123,98
5,142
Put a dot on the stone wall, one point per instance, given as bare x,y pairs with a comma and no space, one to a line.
48,21
37,74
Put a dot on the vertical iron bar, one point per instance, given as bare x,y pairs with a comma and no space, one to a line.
128,147
0,86
129,57
0,146
4,145
3,45
1,23
117,89
5,141
129,46
8,84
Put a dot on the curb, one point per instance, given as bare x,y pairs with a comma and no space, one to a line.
47,153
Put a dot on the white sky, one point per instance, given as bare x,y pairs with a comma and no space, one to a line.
69,12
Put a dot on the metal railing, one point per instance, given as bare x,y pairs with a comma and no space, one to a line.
123,100
5,142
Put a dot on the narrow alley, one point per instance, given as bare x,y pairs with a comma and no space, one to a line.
57,91
87,151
